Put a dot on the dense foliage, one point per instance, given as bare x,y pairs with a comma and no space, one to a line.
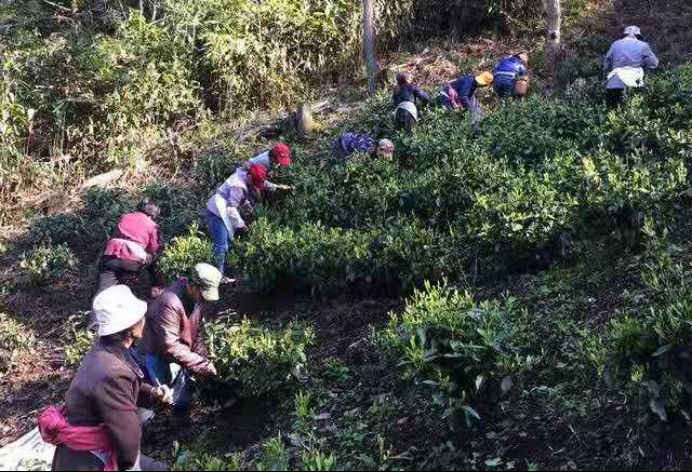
15,340
86,85
544,179
446,341
262,360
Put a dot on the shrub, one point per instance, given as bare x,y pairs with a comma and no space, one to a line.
15,339
79,339
648,349
184,252
179,207
312,255
102,210
197,459
263,361
444,339
47,264
57,229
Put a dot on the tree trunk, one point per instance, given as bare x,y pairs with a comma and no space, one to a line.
304,121
554,33
369,43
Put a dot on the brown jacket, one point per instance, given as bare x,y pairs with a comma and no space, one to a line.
105,391
173,329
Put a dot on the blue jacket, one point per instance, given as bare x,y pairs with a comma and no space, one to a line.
465,88
511,67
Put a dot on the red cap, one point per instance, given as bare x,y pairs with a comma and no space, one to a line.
282,154
258,176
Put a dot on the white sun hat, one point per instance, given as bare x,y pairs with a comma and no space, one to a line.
117,309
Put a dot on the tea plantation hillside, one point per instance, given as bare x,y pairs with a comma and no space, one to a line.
516,301
593,348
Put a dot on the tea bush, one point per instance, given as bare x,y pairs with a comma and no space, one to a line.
444,339
15,339
648,349
79,338
264,361
330,260
47,264
184,252
543,176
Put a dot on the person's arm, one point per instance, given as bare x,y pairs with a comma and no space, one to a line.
650,59
168,329
234,201
116,402
271,187
608,64
421,94
155,241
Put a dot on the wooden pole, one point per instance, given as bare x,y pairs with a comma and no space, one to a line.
369,43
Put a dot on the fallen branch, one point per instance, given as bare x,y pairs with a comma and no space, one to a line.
59,7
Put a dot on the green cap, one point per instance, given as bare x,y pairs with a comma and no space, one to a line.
207,278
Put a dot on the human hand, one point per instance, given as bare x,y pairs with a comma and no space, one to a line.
163,394
284,187
210,371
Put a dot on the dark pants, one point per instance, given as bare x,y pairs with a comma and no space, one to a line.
67,459
406,120
117,271
444,101
338,150
177,378
615,97
504,86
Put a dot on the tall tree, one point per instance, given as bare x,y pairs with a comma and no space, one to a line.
554,34
369,43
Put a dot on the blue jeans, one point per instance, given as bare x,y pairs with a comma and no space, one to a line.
221,238
504,86
160,372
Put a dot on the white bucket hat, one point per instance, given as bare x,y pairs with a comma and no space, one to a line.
117,309
633,31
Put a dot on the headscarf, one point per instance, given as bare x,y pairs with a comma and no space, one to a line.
633,32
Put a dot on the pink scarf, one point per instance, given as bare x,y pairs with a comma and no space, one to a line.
55,430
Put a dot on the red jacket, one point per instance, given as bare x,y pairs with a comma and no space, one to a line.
136,228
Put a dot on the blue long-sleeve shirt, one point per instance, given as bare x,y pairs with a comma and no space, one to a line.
510,67
465,88
409,93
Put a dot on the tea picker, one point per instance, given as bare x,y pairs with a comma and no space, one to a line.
100,428
223,210
132,249
511,76
350,143
406,96
172,349
460,95
278,156
625,63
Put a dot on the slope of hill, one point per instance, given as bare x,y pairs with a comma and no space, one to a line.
520,301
